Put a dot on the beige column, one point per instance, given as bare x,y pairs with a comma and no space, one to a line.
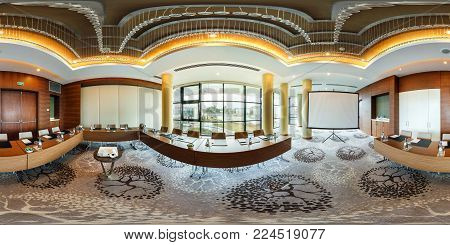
167,101
299,110
284,92
267,103
307,86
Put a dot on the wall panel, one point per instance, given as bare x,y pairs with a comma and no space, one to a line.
128,105
109,104
90,106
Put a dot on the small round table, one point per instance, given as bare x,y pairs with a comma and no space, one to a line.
108,175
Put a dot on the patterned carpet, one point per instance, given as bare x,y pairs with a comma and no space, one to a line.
315,182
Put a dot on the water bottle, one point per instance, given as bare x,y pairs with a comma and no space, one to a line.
39,144
382,136
440,150
207,143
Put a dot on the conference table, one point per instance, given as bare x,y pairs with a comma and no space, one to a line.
228,153
417,157
16,159
116,135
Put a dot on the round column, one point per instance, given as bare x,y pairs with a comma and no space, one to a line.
284,92
299,110
307,86
267,103
167,101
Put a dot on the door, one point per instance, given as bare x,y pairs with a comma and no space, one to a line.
403,111
11,113
29,111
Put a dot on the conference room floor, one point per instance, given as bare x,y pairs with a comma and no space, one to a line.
315,182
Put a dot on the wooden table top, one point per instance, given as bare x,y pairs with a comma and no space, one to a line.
46,143
15,150
431,150
232,145
117,130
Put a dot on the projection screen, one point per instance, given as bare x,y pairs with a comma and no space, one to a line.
333,110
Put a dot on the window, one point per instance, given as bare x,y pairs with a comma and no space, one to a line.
293,110
54,107
276,109
217,107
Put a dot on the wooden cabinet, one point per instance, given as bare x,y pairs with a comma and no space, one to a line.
18,112
420,112
379,126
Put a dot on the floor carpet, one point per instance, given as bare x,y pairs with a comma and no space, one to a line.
313,183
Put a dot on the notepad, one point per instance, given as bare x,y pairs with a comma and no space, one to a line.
263,137
47,136
394,136
26,141
108,152
415,141
218,142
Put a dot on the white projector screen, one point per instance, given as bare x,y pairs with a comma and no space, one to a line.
333,110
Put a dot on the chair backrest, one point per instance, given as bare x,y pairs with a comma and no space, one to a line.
56,130
164,129
446,137
177,131
240,135
25,135
3,137
259,132
406,133
424,135
97,126
193,134
111,126
125,126
218,136
43,132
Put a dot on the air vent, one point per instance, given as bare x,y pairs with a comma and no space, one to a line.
216,64
340,85
54,87
445,51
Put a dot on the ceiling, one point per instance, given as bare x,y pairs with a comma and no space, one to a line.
120,35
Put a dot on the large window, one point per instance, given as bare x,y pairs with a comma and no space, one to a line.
293,110
276,109
217,107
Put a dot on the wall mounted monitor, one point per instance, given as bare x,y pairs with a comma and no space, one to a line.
333,110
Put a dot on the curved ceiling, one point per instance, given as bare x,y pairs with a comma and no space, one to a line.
341,43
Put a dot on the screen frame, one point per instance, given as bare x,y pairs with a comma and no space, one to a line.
309,106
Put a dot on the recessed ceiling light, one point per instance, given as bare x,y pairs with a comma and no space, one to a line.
217,74
38,70
328,73
445,62
213,35
327,53
341,49
293,76
448,32
1,32
400,69
360,78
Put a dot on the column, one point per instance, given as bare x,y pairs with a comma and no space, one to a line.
267,103
284,92
307,86
167,101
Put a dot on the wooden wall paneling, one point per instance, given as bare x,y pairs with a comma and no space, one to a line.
11,113
120,81
419,81
445,102
393,87
70,105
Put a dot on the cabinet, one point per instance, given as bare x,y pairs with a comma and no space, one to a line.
379,126
420,111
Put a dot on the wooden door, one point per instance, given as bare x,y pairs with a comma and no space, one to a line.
11,113
29,112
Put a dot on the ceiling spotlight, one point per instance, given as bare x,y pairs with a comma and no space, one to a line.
342,49
1,32
327,53
328,73
217,74
448,32
213,35
360,78
445,62
38,70
400,69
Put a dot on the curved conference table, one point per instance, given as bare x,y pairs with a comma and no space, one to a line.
421,158
16,159
220,155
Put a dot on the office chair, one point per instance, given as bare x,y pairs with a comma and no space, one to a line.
25,135
240,135
43,132
3,137
218,136
406,133
193,134
177,131
259,132
164,129
55,130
